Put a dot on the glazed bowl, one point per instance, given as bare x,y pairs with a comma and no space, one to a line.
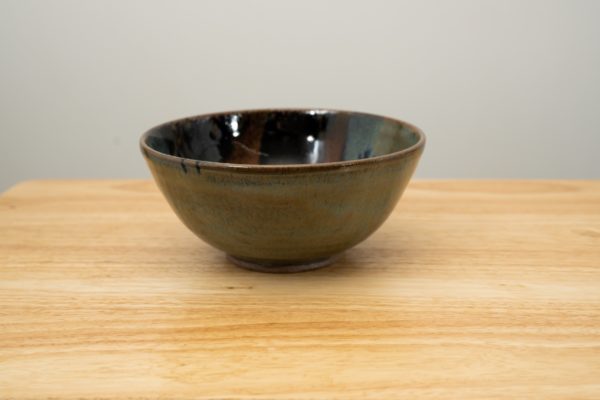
283,190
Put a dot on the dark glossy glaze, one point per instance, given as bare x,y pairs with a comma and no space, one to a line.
276,137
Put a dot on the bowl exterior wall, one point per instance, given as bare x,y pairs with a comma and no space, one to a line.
283,215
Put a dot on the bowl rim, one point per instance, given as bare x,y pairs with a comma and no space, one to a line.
225,166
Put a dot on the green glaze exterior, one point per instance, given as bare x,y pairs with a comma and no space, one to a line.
281,216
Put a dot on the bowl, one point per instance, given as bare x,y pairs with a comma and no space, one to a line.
283,190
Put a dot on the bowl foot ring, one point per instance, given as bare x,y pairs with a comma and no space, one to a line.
282,268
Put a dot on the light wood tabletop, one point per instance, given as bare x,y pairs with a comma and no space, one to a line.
471,289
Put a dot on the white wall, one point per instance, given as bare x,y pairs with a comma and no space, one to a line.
502,88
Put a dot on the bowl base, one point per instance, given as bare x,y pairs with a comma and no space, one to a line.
282,268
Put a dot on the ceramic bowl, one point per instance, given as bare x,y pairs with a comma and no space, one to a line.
283,190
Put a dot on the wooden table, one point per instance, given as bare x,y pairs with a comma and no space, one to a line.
472,289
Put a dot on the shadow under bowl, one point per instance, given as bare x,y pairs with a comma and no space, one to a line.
283,190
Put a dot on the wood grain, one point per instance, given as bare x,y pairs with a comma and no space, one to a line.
472,289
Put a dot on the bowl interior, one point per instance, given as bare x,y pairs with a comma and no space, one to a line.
282,137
